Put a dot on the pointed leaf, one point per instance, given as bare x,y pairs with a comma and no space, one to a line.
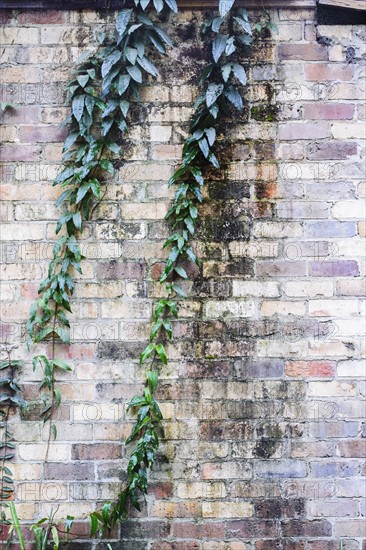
78,106
122,20
239,72
225,6
135,73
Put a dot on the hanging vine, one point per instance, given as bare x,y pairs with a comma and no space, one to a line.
100,96
10,399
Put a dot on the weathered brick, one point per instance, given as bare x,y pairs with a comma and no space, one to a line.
251,528
322,72
328,111
20,153
352,449
305,528
29,134
340,268
299,130
96,451
302,52
331,150
330,229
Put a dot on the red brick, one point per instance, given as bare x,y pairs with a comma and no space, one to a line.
96,451
186,545
304,528
301,130
251,528
120,270
20,153
319,72
21,115
352,449
161,490
328,111
331,150
267,544
31,134
310,369
41,17
303,52
189,530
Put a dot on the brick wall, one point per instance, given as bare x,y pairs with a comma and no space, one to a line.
263,397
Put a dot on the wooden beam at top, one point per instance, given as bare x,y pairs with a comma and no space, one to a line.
350,4
118,4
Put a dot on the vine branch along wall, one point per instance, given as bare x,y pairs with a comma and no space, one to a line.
263,398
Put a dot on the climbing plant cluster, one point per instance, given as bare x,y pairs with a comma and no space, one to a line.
100,96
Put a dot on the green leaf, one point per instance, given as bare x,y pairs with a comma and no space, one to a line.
193,211
190,225
213,92
234,97
168,328
107,165
205,73
93,520
179,290
146,353
225,6
78,106
226,70
122,20
152,379
61,364
116,149
160,350
131,55
76,218
230,46
244,24
83,79
123,83
82,191
124,106
135,73
203,145
55,536
111,60
155,329
181,272
218,46
172,5
163,35
197,174
159,5
216,23
63,335
149,67
211,135
239,72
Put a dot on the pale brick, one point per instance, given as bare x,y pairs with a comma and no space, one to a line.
271,307
355,368
229,309
242,289
227,509
13,35
308,288
345,130
346,210
332,389
334,308
58,452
